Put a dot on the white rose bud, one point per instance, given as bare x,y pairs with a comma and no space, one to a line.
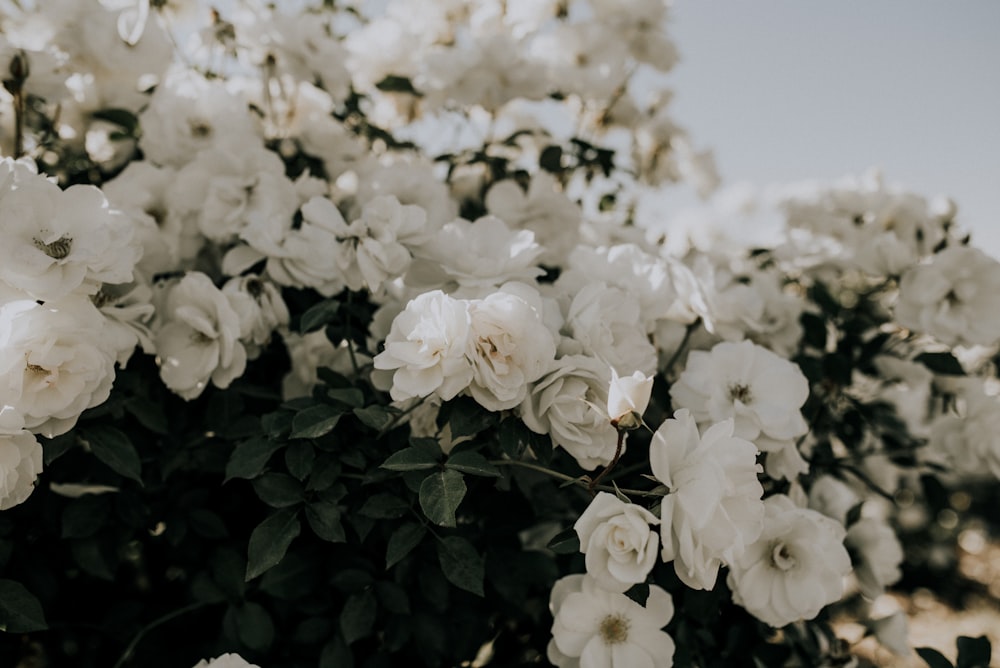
628,398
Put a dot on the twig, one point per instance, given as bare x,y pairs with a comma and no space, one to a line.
570,479
127,654
614,462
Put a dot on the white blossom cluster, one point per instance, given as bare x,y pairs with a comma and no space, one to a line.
520,292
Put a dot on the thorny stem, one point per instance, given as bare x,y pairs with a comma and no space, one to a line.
579,482
614,462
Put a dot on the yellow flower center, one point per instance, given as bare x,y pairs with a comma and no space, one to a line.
614,629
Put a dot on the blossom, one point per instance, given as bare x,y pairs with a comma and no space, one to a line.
628,398
226,661
616,537
509,345
200,338
56,361
954,297
877,554
426,348
762,392
598,628
260,308
566,403
713,510
62,241
795,568
969,441
20,464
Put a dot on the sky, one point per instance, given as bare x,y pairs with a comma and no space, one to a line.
787,90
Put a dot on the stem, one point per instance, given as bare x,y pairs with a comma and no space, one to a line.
127,654
399,418
570,479
680,348
18,124
863,477
614,462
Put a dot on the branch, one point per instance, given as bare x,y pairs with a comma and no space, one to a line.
579,482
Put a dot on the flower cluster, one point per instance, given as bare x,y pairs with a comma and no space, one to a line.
350,261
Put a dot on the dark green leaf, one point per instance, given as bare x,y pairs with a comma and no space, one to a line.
933,658
254,625
120,117
513,437
250,457
84,516
54,448
114,449
315,421
150,414
277,424
973,652
565,542
351,396
384,506
814,330
358,616
20,611
352,580
461,564
466,417
440,494
278,490
270,540
299,458
393,597
294,578
92,557
551,159
411,459
402,541
943,363
336,654
375,416
325,472
318,316
324,518
396,84
473,463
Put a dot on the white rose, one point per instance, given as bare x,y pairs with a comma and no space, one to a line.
509,345
566,404
762,392
260,308
597,628
200,338
55,361
877,554
955,297
795,568
426,348
621,548
714,509
20,464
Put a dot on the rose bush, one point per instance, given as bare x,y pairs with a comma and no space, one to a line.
337,339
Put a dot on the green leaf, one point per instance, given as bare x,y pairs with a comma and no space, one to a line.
396,84
270,540
973,652
318,316
565,542
315,421
250,457
114,449
411,459
299,458
351,396
358,616
20,611
84,516
336,654
254,625
461,564
384,506
440,494
466,417
377,417
943,363
933,658
473,463
278,423
278,490
150,414
91,555
325,472
121,117
324,518
551,159
514,437
402,541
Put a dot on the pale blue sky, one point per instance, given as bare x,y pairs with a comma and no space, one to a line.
786,90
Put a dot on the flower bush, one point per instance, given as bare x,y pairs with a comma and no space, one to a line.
330,336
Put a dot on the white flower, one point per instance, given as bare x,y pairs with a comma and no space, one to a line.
476,255
795,568
260,308
62,241
969,442
762,392
597,628
877,555
56,361
621,548
628,398
426,347
200,338
410,183
714,510
226,661
567,404
20,464
509,345
543,209
955,297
